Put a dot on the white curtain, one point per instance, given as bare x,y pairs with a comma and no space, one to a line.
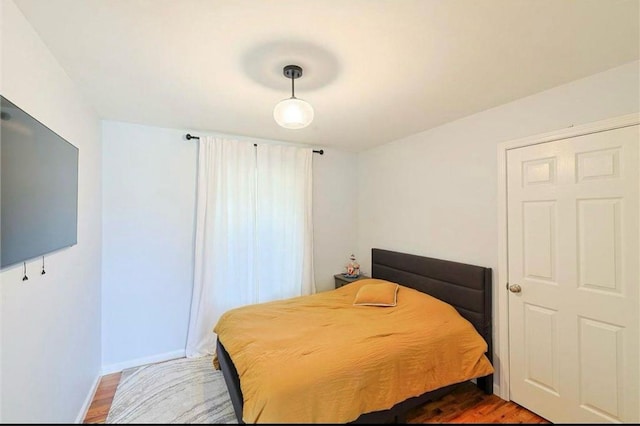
284,261
253,238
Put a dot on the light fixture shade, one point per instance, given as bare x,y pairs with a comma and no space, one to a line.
293,113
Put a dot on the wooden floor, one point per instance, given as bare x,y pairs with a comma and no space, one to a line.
103,398
467,404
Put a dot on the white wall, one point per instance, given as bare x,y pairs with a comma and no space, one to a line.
335,210
434,193
51,323
149,177
149,180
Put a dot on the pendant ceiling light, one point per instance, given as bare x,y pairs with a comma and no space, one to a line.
293,113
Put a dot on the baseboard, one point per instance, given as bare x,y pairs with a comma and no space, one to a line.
87,402
496,391
117,367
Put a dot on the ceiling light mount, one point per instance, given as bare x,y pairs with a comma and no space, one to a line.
293,113
292,71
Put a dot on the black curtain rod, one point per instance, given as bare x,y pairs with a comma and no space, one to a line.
189,137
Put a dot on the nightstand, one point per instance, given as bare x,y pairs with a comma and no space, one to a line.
342,280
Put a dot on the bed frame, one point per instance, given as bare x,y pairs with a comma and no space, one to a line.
466,287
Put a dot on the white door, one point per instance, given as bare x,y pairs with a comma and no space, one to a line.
573,231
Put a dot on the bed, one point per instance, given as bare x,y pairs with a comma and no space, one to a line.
467,288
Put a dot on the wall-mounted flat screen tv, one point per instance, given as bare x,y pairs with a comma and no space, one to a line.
38,188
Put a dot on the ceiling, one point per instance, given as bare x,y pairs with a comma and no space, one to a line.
374,71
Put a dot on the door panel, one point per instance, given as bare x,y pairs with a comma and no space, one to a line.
541,331
600,372
573,228
539,239
599,245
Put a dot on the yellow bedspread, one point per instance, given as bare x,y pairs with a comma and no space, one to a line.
319,359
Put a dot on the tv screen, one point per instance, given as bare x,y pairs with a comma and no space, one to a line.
38,188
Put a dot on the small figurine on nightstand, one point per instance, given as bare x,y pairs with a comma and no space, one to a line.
353,268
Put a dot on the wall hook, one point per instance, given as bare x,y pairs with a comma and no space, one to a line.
25,278
43,271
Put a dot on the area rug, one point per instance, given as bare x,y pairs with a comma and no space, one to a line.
185,390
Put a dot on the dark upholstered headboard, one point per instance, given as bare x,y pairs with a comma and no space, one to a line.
465,287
